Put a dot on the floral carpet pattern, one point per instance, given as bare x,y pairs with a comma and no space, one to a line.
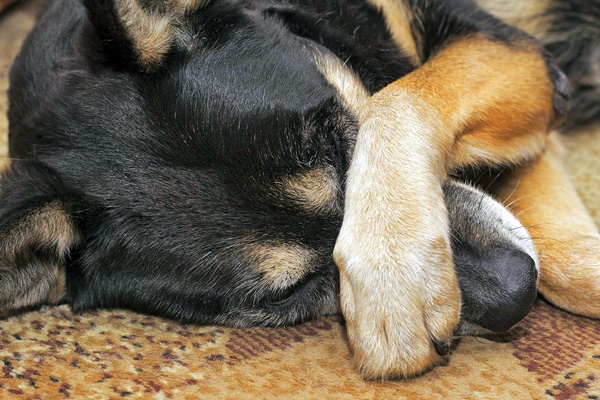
55,354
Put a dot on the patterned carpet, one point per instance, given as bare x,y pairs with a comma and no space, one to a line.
54,354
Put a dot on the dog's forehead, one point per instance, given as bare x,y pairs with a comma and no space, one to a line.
253,66
257,72
264,91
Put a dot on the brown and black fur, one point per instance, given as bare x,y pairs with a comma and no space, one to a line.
190,159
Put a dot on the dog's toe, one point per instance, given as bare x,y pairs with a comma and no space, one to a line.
570,274
400,313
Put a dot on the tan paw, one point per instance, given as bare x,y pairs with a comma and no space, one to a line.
570,273
398,287
399,295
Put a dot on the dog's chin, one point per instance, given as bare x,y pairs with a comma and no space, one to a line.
495,260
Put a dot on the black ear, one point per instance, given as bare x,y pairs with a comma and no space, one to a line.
36,235
140,34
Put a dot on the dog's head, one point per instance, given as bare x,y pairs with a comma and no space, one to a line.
194,140
183,158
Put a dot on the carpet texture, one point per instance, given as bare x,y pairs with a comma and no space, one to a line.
55,354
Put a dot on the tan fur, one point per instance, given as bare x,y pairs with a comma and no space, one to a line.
151,33
525,14
49,225
398,285
43,283
352,93
500,114
281,264
50,290
565,236
182,7
58,290
399,20
317,190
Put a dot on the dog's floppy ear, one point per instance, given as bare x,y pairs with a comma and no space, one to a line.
140,33
36,236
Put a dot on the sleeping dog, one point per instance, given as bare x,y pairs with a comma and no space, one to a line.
268,162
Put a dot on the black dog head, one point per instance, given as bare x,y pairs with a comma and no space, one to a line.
198,153
185,159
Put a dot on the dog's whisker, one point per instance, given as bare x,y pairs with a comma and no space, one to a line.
546,238
531,226
7,158
455,237
511,194
491,183
525,210
509,205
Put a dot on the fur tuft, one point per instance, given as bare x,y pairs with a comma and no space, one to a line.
573,37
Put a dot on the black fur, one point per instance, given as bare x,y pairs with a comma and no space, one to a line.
573,38
170,174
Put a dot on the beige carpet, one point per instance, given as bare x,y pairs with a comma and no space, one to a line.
55,354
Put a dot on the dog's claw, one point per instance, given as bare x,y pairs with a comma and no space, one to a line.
562,92
442,348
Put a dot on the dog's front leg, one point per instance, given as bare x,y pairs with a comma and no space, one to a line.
398,287
399,291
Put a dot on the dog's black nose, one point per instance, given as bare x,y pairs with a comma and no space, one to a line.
513,298
498,286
